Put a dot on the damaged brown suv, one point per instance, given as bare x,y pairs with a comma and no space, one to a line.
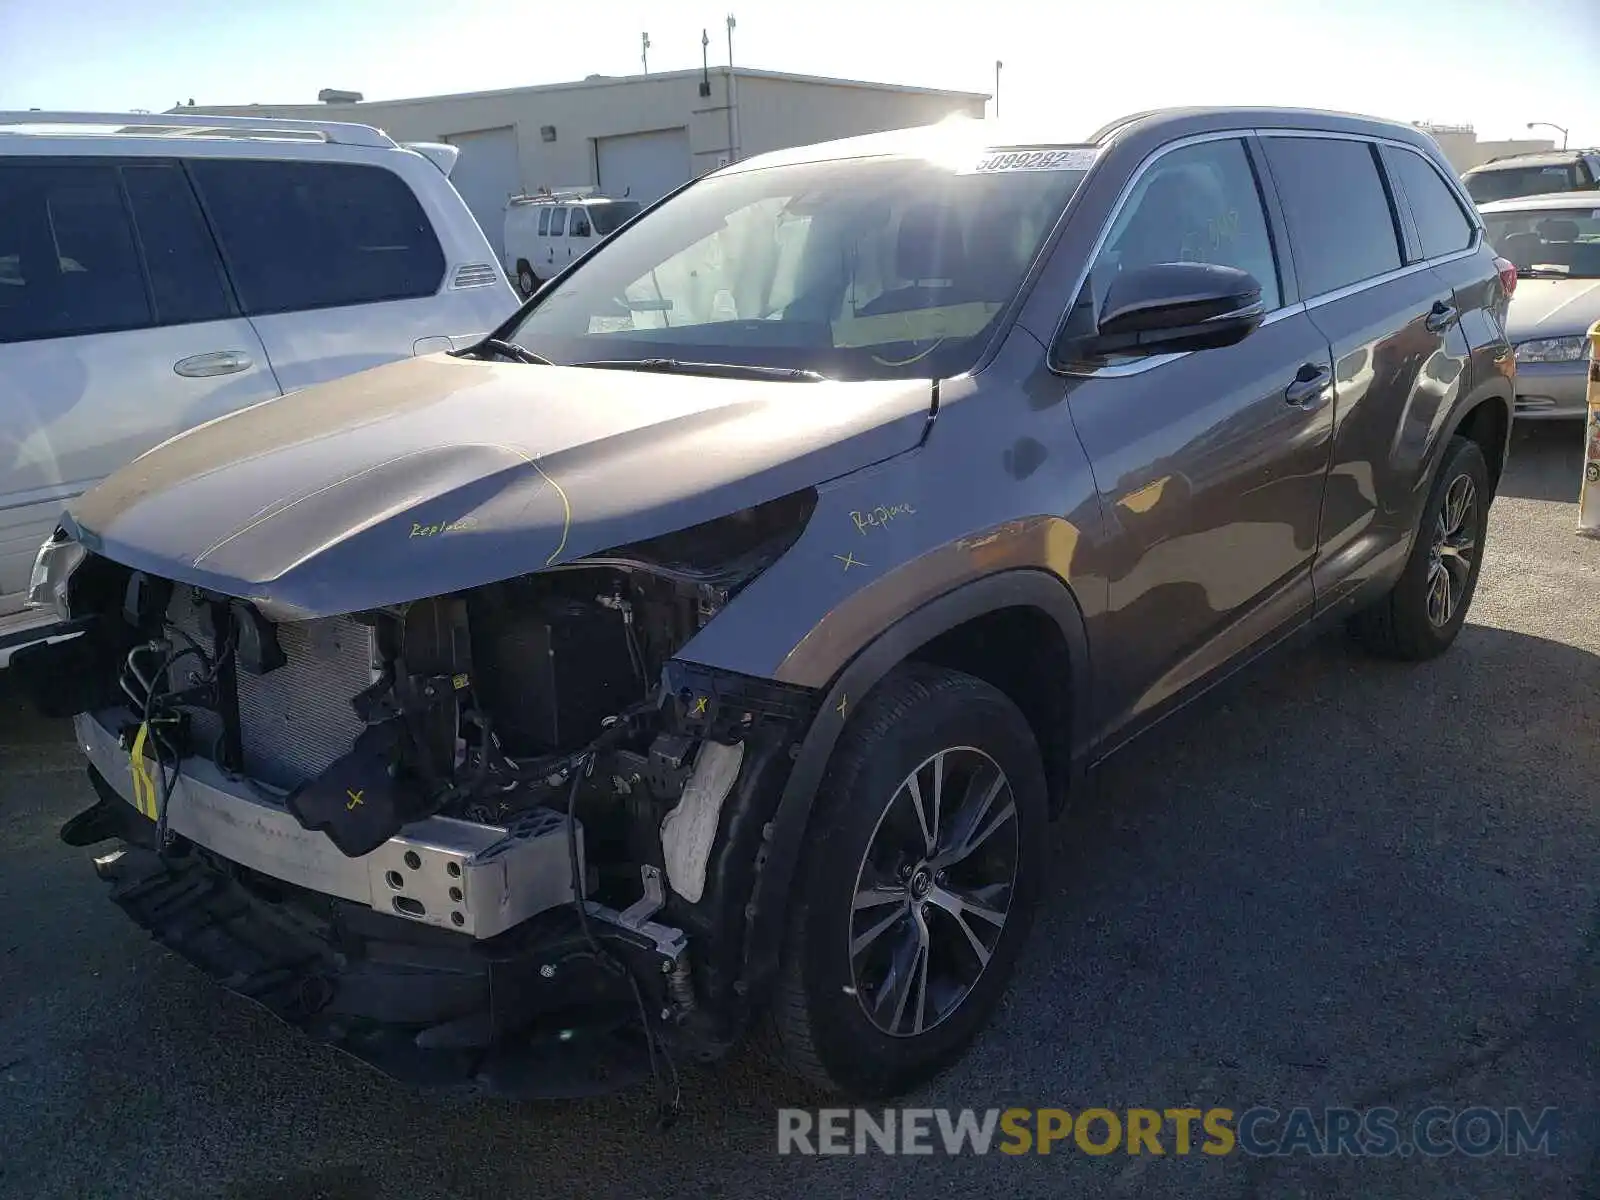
713,644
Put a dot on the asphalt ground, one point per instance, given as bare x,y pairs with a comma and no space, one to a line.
1349,884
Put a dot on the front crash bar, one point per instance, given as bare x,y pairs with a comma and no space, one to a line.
478,880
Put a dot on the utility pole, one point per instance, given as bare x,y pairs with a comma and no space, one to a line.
997,65
733,97
644,51
705,63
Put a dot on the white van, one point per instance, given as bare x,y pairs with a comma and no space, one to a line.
546,232
159,270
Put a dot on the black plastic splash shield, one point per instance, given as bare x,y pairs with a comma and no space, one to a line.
440,1012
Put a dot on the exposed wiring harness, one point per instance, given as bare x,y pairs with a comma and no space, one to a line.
669,1102
158,707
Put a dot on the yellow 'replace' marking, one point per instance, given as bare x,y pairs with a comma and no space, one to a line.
877,518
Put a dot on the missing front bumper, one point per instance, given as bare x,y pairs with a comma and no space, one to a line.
478,880
531,1014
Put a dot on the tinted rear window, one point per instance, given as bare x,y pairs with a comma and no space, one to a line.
1340,222
301,235
608,217
1441,225
1504,183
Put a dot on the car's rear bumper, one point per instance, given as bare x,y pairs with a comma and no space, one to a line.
1551,391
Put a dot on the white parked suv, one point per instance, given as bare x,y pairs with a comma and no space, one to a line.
157,271
545,233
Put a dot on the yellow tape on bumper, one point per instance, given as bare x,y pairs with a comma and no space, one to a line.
144,788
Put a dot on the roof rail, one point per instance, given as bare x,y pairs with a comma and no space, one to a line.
342,133
557,196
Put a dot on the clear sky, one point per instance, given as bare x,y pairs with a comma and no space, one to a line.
1495,64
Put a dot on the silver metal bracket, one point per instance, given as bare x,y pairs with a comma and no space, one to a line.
670,943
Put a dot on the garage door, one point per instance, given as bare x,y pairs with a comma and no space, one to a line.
486,174
643,166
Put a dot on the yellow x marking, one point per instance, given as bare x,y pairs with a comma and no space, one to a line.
850,560
699,709
355,798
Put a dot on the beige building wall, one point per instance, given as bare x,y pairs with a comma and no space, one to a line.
773,112
1464,150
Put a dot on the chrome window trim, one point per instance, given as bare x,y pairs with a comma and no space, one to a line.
1305,304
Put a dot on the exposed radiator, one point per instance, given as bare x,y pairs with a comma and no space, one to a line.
294,721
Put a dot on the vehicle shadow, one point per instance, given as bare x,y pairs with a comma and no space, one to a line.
1346,876
1546,461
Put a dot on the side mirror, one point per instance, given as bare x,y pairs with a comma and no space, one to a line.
1169,307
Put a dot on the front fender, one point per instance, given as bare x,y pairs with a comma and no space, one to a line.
779,858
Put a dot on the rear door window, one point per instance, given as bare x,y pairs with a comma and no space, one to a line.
305,235
544,222
1442,227
1338,212
186,277
68,260
558,222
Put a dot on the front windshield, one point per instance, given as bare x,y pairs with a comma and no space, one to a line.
857,269
1507,183
1561,242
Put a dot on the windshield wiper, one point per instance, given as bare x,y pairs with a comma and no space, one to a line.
674,366
509,350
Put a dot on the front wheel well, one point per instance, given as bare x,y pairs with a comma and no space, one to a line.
1022,651
1487,425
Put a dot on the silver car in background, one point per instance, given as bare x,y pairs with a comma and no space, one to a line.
1554,241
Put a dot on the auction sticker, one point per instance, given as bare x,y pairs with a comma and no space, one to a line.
1061,158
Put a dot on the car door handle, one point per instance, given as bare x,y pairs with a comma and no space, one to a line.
1310,384
1440,317
218,362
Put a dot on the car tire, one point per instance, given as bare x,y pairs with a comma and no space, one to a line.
838,1016
1424,611
527,281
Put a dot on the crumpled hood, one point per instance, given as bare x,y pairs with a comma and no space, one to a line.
435,474
1552,308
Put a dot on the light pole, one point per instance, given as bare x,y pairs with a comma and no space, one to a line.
644,51
997,65
1552,125
733,97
